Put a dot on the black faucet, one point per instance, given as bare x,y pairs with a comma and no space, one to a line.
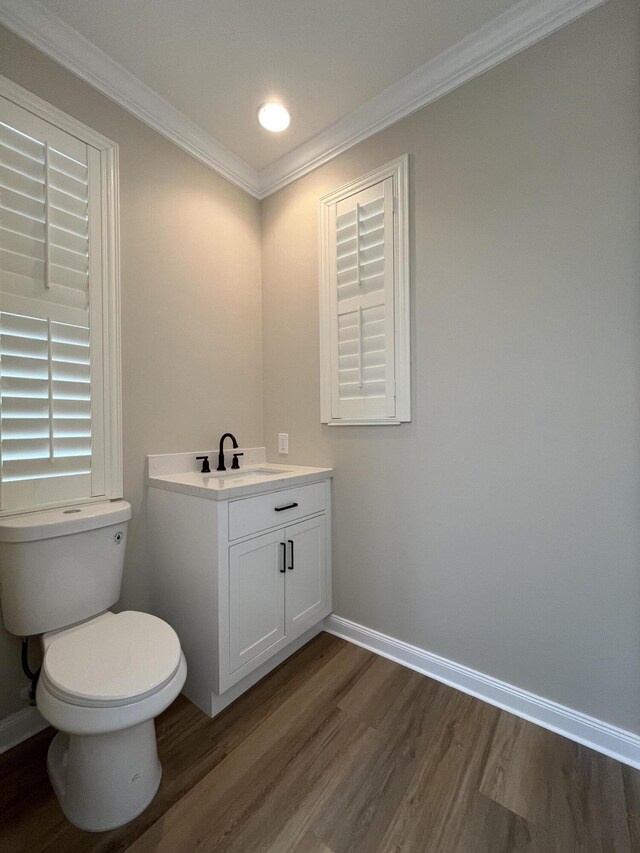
221,452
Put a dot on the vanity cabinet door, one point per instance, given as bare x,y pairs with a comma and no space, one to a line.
306,579
256,597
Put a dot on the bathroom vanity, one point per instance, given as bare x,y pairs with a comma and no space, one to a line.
240,566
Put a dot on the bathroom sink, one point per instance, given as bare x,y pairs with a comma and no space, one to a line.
257,473
245,476
250,479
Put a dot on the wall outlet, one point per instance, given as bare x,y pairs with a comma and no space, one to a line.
283,443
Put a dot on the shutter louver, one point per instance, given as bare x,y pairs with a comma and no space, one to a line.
44,209
46,441
45,413
362,328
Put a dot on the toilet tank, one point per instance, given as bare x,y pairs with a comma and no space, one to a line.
61,566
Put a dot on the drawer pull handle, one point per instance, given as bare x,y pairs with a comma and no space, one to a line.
286,506
292,566
284,558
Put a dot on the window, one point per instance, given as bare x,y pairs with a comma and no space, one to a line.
364,300
59,300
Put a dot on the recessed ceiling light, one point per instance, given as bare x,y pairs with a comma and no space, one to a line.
274,117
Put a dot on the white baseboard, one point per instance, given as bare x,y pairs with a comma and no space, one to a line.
610,740
20,726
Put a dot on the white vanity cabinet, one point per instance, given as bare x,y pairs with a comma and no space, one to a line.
277,588
245,581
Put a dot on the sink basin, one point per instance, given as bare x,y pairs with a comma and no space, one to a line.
225,485
257,473
245,476
218,481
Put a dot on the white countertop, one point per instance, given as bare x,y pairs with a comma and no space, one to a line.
251,479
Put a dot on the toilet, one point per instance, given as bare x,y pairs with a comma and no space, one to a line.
105,676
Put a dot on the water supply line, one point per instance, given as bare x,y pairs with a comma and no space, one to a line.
32,676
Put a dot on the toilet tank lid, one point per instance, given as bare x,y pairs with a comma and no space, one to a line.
47,524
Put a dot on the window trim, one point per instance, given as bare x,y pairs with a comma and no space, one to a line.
110,281
398,170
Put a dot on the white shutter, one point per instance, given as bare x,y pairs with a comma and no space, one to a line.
364,300
362,322
51,433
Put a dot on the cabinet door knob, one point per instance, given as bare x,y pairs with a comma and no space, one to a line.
286,506
292,566
284,558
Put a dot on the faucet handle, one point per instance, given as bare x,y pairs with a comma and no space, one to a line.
235,464
205,464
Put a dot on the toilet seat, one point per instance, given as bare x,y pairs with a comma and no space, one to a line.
112,660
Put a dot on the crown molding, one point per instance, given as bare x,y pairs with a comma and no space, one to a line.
33,22
524,24
507,34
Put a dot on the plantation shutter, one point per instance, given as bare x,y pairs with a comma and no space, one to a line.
51,405
362,305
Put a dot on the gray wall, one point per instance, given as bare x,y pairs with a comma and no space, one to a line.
501,527
190,283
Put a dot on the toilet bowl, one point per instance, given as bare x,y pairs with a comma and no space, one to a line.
105,676
102,684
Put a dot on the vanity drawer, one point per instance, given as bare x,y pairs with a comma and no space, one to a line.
251,515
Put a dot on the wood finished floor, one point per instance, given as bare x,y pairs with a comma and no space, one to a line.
339,750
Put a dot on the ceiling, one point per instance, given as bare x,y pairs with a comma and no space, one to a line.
218,61
213,62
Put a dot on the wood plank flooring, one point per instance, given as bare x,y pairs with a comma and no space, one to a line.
339,751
